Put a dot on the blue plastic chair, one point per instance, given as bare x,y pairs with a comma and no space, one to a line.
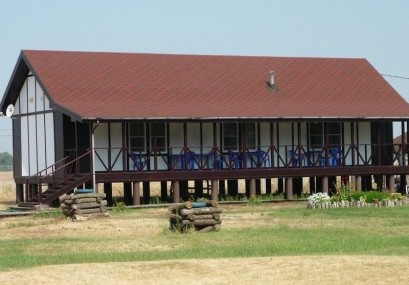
187,160
333,158
234,157
139,161
263,159
296,158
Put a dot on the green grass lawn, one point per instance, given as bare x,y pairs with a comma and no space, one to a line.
282,232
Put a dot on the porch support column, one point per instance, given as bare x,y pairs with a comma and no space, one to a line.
358,183
128,193
215,188
288,188
391,183
198,188
136,194
164,191
146,192
325,184
252,192
353,182
268,185
108,193
176,192
19,193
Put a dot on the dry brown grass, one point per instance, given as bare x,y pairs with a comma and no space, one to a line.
262,270
7,190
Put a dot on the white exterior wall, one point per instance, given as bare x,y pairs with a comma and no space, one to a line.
101,136
101,146
285,140
116,144
347,145
37,130
364,138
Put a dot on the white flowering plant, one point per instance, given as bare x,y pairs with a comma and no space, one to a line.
318,198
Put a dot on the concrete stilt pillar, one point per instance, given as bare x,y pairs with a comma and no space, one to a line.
391,183
353,182
176,192
358,183
108,193
19,193
215,189
325,184
252,187
136,194
288,188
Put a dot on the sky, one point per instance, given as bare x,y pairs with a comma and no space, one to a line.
377,30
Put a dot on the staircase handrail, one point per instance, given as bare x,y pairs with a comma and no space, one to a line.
53,172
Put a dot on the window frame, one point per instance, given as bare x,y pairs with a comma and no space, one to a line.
234,136
138,149
154,137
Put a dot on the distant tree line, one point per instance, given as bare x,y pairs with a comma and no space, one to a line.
6,161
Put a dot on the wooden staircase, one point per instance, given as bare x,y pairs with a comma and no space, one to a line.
60,179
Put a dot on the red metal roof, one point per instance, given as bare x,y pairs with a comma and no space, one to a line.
133,86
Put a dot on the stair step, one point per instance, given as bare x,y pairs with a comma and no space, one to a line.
20,209
28,205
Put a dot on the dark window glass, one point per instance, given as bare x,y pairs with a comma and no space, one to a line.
137,137
230,136
250,135
158,137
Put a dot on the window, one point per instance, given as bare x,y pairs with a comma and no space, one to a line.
230,136
137,135
158,136
334,134
316,135
250,136
317,139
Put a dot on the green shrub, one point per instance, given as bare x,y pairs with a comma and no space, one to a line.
344,193
370,196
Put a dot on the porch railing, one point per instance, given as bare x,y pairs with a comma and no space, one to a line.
263,157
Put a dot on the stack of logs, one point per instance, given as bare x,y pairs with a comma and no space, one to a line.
84,206
200,216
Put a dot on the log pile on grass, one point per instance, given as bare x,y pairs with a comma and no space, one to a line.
84,206
199,216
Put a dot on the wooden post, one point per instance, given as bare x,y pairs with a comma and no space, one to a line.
232,188
391,183
146,192
358,182
176,192
268,185
127,193
164,191
215,188
252,187
288,188
198,188
136,193
258,186
325,184
19,193
108,193
353,182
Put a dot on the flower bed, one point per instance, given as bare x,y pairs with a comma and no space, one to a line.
322,200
